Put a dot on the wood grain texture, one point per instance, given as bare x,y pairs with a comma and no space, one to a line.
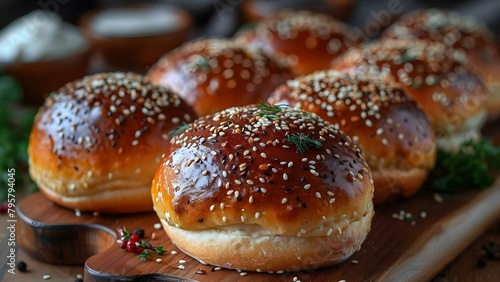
394,250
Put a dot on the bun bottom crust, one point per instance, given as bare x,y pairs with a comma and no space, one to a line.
391,184
494,104
252,248
116,202
469,130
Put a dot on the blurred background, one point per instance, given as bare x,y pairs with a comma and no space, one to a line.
222,17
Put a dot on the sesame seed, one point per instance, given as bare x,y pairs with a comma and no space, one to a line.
307,186
438,198
257,215
212,207
158,260
318,195
157,226
250,200
181,267
249,182
173,252
224,218
285,176
284,200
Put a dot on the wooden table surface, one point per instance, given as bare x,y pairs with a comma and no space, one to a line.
463,268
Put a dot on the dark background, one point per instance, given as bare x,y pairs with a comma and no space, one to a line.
222,17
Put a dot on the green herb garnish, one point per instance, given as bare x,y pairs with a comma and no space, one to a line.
303,142
472,166
146,253
416,85
202,63
178,130
406,57
15,127
269,111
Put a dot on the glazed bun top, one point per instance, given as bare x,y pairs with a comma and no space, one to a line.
448,91
447,27
281,168
105,132
389,126
306,41
215,74
466,35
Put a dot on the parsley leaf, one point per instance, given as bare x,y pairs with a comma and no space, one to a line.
472,166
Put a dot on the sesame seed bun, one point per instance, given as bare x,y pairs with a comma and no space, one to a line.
262,201
391,129
452,95
215,74
306,41
466,35
96,142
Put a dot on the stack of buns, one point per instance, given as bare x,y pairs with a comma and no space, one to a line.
252,153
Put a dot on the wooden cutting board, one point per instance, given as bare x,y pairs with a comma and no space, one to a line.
395,250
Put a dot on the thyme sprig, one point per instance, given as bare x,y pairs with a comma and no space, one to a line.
178,130
145,254
303,142
269,111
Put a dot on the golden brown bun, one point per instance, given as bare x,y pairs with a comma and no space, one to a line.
215,74
251,180
256,10
453,96
391,129
304,40
96,143
466,35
